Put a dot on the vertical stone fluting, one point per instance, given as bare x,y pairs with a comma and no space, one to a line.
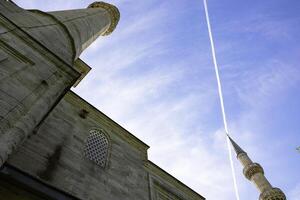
255,173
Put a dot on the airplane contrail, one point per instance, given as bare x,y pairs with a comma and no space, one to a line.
221,98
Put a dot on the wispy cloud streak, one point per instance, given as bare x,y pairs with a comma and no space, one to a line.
153,76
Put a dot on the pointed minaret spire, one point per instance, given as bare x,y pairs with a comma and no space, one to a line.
255,173
238,150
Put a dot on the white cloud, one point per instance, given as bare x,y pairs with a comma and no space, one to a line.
261,24
258,87
143,105
174,123
295,193
178,143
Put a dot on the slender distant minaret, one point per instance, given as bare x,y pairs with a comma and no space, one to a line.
255,173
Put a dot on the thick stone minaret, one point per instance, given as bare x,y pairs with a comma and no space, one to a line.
69,32
39,63
255,173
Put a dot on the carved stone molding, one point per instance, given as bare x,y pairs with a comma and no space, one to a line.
272,194
113,12
252,169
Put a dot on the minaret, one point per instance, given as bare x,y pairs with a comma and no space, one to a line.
68,32
255,173
40,63
86,25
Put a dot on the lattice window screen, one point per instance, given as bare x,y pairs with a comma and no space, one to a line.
96,148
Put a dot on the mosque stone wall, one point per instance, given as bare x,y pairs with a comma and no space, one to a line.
164,186
41,27
55,155
32,79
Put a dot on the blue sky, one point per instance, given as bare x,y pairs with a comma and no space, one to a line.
154,75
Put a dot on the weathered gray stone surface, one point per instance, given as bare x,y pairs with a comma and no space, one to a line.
65,33
164,186
31,80
9,191
55,154
65,131
85,25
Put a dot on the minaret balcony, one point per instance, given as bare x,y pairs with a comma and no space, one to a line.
252,169
272,194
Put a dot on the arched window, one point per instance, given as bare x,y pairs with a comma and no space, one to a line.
96,148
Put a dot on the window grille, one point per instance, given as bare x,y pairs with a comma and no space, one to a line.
96,148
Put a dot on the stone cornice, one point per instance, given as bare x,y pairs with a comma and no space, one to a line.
113,12
82,68
97,115
155,171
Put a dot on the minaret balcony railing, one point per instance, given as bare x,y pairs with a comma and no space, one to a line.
272,194
252,169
